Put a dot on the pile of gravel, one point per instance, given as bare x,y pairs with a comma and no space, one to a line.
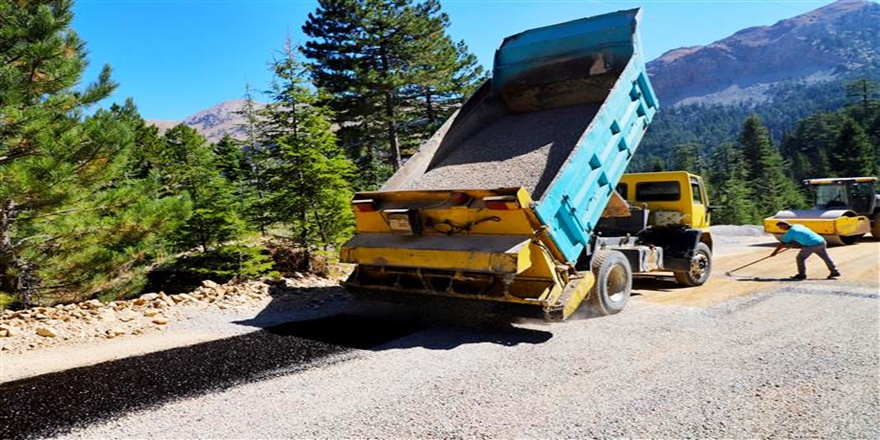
521,150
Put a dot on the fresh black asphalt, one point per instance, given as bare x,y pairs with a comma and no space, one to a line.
56,403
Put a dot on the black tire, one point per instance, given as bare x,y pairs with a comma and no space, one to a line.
613,286
701,267
850,239
875,227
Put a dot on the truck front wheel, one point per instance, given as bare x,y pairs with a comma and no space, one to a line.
613,286
701,267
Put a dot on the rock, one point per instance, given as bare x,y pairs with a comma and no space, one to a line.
149,313
187,297
47,332
160,321
210,284
3,333
149,296
127,316
139,301
93,304
10,330
107,315
41,316
115,331
298,275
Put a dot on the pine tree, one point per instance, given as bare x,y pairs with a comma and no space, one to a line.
230,159
771,188
687,157
252,146
304,171
189,166
853,154
73,218
391,69
728,188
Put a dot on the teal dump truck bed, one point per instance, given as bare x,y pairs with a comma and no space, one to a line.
502,202
561,117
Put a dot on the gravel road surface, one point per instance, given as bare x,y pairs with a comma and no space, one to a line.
737,358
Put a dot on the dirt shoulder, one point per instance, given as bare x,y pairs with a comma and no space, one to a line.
47,339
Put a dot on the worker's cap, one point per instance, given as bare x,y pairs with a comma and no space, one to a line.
783,223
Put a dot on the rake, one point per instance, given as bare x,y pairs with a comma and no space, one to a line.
730,273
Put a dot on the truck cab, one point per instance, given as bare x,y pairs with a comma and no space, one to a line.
676,197
666,228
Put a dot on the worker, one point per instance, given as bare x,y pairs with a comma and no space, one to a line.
811,242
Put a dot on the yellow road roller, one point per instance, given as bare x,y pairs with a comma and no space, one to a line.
845,209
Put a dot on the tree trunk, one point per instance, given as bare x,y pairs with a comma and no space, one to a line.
392,130
7,253
429,106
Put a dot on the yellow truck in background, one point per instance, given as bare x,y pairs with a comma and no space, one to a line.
519,201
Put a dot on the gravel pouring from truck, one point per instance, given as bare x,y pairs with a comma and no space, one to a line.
502,204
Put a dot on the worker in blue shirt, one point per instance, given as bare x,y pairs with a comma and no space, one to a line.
811,242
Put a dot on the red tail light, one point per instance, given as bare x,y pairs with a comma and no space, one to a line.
364,205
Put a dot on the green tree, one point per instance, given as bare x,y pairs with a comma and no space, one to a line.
687,157
252,149
853,154
305,172
809,147
729,189
866,92
73,219
231,161
189,166
771,188
392,72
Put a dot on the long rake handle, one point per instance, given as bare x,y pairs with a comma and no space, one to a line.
757,261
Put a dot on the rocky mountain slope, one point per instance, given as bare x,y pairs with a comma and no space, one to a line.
216,121
836,41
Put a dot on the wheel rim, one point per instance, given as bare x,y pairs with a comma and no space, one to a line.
616,284
699,266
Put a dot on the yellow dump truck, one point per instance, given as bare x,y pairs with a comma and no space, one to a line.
844,209
513,201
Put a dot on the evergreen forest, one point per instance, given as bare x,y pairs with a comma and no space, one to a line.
96,203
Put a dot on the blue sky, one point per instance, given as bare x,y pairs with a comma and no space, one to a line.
177,57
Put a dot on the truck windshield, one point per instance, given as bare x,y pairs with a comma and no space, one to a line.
832,196
658,191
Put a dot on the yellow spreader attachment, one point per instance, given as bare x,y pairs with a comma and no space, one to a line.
477,245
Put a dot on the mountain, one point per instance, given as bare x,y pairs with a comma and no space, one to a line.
216,121
841,40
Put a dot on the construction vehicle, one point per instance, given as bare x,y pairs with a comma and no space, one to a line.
844,209
512,202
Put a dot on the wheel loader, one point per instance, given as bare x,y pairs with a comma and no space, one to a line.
844,209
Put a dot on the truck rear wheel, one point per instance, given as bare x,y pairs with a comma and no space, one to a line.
613,286
701,267
875,227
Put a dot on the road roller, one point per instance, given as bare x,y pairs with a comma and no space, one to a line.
844,209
